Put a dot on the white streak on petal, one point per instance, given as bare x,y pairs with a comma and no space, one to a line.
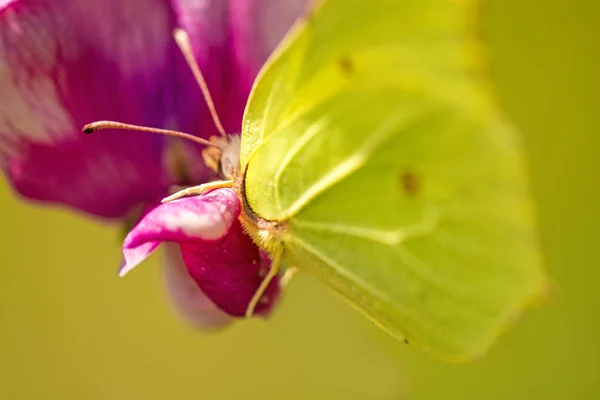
193,224
33,125
211,221
38,92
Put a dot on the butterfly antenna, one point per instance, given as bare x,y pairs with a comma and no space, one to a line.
183,41
102,125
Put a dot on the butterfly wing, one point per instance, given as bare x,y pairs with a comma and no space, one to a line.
372,137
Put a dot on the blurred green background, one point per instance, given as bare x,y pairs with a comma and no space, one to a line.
70,329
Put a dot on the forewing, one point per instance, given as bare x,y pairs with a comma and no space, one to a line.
427,44
376,144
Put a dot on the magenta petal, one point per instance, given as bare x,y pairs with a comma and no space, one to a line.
230,272
231,41
220,257
205,218
66,63
187,298
240,34
257,27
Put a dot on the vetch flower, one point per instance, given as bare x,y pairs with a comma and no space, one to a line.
219,256
65,63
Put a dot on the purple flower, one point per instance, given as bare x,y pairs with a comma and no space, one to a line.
66,63
225,265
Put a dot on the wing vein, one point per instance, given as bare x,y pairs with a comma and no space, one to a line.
310,132
350,277
351,164
392,237
268,105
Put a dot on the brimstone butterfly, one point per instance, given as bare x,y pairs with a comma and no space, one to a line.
373,156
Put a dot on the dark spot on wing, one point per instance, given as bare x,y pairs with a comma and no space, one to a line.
406,341
410,183
346,65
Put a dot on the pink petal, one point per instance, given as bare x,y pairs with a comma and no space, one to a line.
220,257
66,63
257,28
187,298
205,218
229,272
241,34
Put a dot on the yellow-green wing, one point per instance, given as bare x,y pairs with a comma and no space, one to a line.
371,135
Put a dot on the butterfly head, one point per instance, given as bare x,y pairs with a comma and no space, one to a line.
224,156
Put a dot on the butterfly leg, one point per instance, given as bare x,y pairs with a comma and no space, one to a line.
195,190
264,284
287,276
